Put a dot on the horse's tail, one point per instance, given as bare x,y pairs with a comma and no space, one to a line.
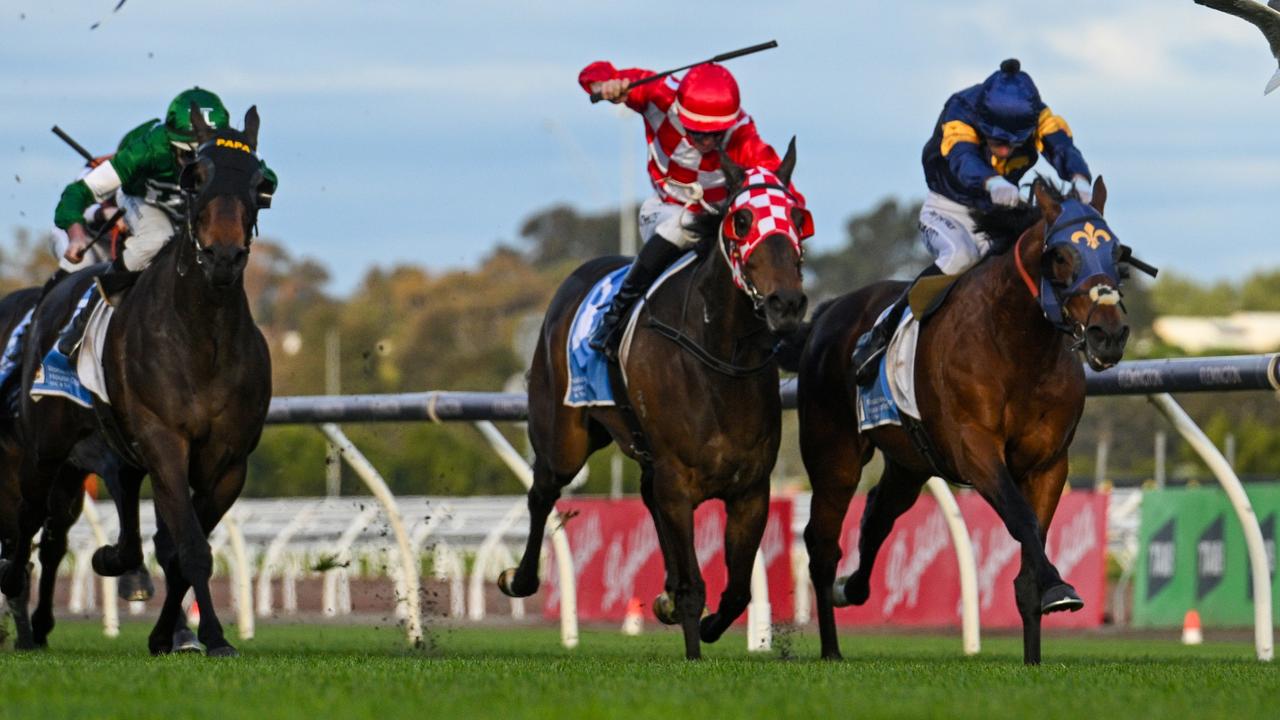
791,346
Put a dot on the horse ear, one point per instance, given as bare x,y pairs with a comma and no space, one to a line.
1048,205
734,175
202,129
788,165
251,126
1099,195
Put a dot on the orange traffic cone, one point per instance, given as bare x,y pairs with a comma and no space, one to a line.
1191,634
193,613
633,622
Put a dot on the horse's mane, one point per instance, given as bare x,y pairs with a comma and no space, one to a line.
706,227
1005,225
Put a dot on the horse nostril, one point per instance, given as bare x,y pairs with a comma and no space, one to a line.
802,304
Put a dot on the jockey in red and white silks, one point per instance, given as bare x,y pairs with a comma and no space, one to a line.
688,123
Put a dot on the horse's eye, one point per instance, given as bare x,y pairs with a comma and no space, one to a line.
742,221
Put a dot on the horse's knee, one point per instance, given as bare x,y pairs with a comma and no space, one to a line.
196,562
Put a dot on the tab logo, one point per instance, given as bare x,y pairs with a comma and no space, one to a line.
1211,559
1161,559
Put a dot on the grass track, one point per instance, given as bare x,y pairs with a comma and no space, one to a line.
320,671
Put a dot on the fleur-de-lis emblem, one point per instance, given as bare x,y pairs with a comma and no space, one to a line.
1093,236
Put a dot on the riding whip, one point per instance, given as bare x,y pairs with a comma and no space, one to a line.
88,156
597,97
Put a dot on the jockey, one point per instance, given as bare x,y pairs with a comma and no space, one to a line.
143,178
987,137
688,122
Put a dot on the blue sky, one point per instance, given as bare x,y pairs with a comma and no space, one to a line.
425,131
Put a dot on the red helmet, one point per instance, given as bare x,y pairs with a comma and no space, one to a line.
707,100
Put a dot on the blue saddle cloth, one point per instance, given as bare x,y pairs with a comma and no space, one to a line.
57,375
876,404
13,348
588,368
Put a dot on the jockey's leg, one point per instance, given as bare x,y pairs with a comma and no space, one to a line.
947,231
866,356
668,240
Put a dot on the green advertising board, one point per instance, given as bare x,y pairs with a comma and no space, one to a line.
1192,556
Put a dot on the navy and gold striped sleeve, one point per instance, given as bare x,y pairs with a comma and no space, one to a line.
1054,141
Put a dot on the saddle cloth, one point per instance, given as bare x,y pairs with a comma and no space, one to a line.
588,368
56,378
894,391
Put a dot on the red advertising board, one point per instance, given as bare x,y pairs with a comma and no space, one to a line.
616,556
916,580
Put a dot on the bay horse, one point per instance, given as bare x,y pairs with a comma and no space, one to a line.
704,389
999,388
188,375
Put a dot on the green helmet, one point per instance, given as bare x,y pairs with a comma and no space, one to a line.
177,119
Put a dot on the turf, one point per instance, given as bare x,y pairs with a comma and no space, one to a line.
320,671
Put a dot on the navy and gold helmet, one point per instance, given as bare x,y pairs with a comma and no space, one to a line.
1009,105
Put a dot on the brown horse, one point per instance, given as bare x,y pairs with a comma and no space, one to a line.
999,389
189,378
709,416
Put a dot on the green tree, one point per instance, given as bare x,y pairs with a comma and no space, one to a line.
880,244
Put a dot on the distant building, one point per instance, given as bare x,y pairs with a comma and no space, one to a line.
1256,332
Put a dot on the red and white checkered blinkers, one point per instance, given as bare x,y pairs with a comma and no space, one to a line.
774,211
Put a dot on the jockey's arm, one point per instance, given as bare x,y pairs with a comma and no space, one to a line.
597,73
1054,136
746,148
960,146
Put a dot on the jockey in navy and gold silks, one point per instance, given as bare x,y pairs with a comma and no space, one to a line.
987,137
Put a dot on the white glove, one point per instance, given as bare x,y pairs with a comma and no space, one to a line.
1003,192
1084,189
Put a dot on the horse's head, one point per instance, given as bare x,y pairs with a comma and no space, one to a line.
1080,274
225,188
760,237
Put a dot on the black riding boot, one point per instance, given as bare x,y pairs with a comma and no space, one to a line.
656,256
865,361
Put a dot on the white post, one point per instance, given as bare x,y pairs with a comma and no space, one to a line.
240,578
1263,632
759,612
964,558
272,557
559,538
110,604
329,603
408,559
483,568
803,585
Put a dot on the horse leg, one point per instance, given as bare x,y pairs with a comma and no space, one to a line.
675,510
18,608
663,607
746,517
162,641
1042,489
210,507
38,477
65,503
895,494
126,555
833,457
1039,586
522,581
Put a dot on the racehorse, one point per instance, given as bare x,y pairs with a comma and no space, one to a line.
705,420
999,389
189,380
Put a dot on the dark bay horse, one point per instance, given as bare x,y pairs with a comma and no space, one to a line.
707,406
999,389
189,379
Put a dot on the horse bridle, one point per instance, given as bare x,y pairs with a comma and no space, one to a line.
753,293
214,186
1100,295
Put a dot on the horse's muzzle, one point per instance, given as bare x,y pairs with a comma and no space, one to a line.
224,265
1103,347
784,310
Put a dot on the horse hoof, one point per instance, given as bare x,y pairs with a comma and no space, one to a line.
1060,598
707,629
838,597
185,641
225,651
664,608
506,583
106,562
